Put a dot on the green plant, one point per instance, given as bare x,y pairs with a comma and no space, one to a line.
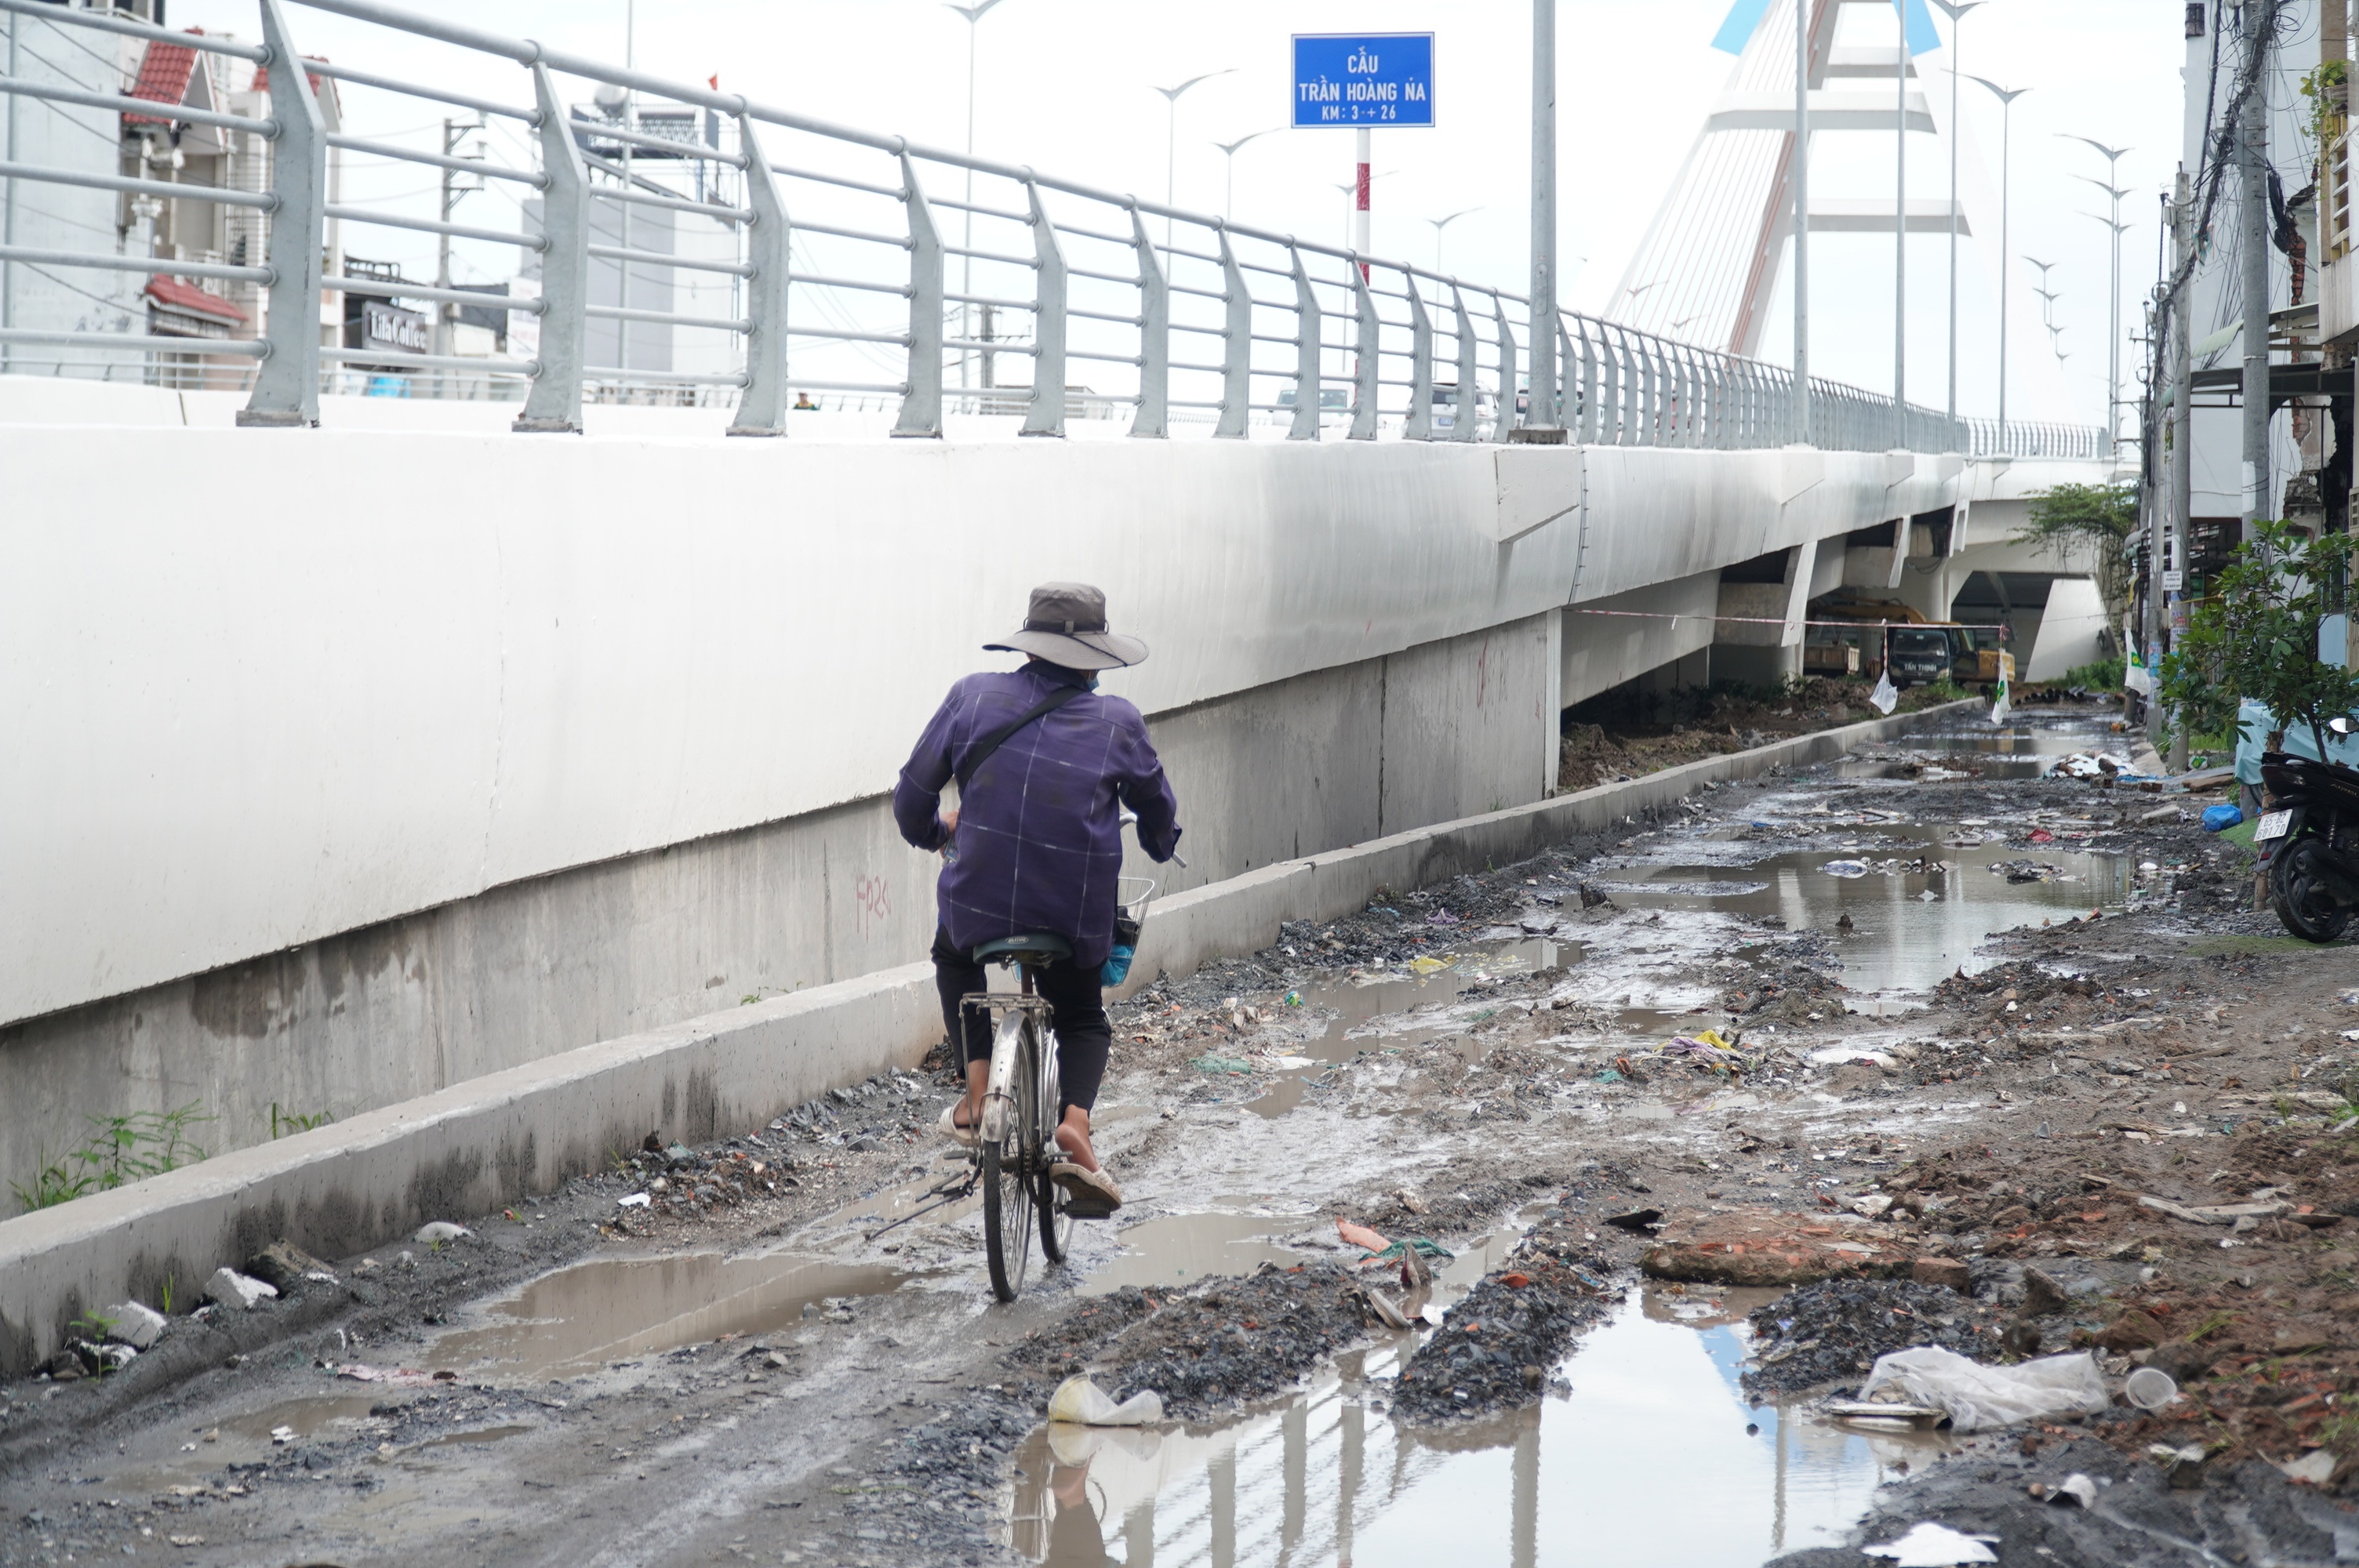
122,1149
169,1280
2257,638
2321,88
91,1325
1943,689
2098,517
2105,675
282,1123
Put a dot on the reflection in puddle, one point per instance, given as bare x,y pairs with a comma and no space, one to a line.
1900,939
614,1308
1654,1415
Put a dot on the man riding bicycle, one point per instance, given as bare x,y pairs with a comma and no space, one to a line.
1045,764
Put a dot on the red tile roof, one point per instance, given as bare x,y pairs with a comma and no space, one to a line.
164,73
262,75
188,297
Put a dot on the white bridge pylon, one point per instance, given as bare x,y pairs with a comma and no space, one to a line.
1709,266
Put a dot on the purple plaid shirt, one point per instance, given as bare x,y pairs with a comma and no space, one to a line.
1039,846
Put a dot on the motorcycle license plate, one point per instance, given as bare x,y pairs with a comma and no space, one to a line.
2273,826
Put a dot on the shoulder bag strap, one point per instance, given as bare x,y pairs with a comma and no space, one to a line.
981,750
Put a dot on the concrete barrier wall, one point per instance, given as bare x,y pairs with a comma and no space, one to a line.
403,1008
475,1145
342,677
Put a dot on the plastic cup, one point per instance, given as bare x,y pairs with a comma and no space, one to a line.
2150,1388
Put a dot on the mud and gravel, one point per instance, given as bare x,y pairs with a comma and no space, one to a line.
2177,1047
1831,1331
1497,1344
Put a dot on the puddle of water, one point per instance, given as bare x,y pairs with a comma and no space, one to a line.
306,1416
1901,939
1654,1415
1181,1248
609,1309
482,1434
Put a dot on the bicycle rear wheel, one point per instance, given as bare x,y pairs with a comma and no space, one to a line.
1056,1221
1009,1176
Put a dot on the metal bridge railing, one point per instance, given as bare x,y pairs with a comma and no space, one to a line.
847,255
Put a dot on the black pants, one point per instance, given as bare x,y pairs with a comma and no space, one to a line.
1085,1038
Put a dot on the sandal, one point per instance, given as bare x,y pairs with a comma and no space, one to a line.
961,1136
1089,1194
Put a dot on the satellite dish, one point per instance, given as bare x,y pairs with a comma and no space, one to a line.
610,99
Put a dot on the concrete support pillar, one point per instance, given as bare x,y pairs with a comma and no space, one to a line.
1763,644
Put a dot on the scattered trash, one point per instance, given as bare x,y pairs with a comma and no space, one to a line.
2075,1488
1294,998
1386,1307
1221,1065
398,1377
635,1200
135,1326
1870,1412
2150,1389
1360,1235
1979,1397
1846,868
2314,1469
2220,818
440,1231
1078,1400
1638,1222
1885,696
2184,1465
2026,871
1930,1545
2092,765
236,1291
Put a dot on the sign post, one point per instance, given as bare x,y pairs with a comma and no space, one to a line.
1363,81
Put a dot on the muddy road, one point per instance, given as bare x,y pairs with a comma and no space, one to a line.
1973,1025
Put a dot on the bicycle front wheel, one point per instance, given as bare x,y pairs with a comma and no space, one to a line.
1009,1172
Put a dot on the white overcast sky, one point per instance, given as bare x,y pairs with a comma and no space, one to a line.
1066,85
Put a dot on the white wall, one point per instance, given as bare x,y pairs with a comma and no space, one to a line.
358,674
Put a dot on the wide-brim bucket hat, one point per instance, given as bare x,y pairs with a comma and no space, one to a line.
1066,624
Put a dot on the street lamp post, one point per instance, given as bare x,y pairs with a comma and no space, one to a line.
1172,140
2006,97
1228,198
1541,421
1802,221
974,14
2113,339
1956,11
1441,223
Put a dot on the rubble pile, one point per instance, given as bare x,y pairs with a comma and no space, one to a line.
1832,1331
1497,1344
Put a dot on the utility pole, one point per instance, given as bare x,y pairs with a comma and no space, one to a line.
2007,98
1541,423
1956,11
1802,221
974,15
446,313
2113,350
1360,214
1900,240
2182,487
2253,193
8,221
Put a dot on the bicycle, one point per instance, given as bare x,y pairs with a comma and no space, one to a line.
1016,1142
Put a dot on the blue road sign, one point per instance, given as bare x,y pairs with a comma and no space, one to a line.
1362,78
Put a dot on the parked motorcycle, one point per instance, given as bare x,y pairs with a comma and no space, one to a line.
2309,841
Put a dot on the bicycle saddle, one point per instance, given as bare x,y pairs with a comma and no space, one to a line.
1037,947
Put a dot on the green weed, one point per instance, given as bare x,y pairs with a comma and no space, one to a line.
283,1122
120,1148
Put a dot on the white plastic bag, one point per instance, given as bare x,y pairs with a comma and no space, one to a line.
1885,696
1078,1400
1932,1545
1977,1397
